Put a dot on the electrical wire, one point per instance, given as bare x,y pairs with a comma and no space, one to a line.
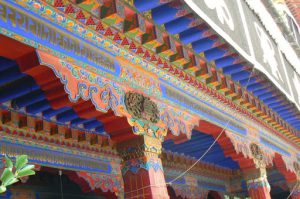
291,193
209,148
61,186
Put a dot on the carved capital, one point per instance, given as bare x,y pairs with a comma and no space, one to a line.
141,107
257,156
140,127
139,147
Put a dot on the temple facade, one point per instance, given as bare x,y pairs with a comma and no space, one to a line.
151,99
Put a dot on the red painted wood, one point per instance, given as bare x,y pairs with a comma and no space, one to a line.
214,195
295,196
280,165
226,144
145,184
259,193
177,139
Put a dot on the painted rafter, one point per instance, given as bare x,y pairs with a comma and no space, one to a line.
50,133
271,122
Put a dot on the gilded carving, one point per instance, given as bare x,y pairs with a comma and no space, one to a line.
257,156
141,107
256,151
140,127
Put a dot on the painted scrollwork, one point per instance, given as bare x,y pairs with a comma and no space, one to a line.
80,83
140,127
189,191
178,121
103,181
105,95
141,107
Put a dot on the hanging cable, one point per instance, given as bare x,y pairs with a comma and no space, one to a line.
61,186
199,159
291,193
217,138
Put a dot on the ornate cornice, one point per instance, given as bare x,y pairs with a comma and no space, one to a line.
113,183
194,82
29,128
105,94
111,104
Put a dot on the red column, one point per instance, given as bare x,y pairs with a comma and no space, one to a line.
257,184
295,189
142,169
295,195
259,193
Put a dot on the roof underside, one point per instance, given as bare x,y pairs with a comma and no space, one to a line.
25,95
204,40
198,145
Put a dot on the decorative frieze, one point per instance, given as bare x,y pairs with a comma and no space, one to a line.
113,183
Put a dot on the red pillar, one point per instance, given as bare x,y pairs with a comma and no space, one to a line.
142,169
257,184
294,187
259,193
295,195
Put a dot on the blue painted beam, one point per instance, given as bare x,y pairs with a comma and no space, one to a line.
296,122
271,100
246,82
233,69
285,110
17,89
144,5
282,108
240,75
178,25
265,95
261,91
288,114
66,116
28,99
191,35
275,105
164,14
10,74
77,122
38,107
255,87
292,121
100,129
290,118
53,112
214,54
6,64
92,124
224,61
203,45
